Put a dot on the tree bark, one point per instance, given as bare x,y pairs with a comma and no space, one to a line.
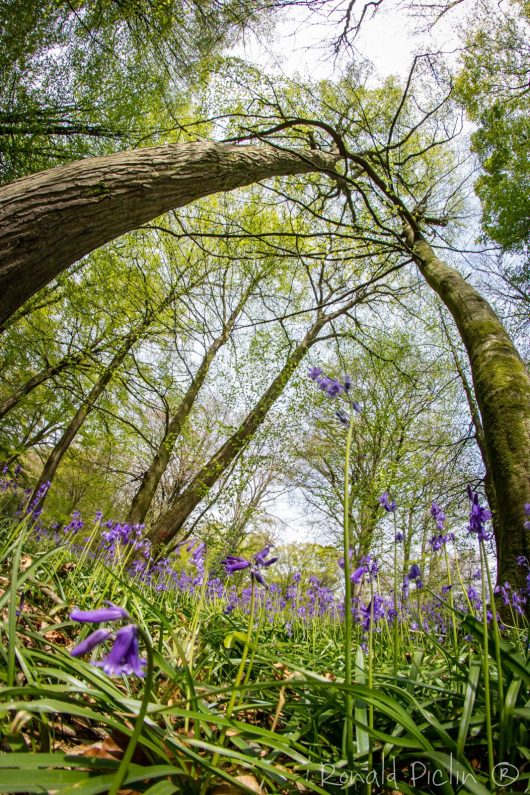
52,219
144,496
39,378
75,424
502,388
50,468
479,430
169,524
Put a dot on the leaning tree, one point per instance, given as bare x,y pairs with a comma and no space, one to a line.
388,182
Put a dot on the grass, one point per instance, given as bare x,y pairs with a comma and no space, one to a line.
248,700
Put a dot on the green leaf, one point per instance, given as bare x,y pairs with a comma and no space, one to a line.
469,701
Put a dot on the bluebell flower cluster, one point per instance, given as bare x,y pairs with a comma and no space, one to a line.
478,517
384,501
124,655
439,540
231,564
333,388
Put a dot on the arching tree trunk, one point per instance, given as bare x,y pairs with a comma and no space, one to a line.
169,524
144,496
52,219
502,389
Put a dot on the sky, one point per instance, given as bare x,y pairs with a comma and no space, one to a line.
389,39
301,45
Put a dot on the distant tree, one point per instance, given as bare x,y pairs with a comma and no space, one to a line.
493,86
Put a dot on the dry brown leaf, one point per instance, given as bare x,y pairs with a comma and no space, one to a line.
105,749
246,780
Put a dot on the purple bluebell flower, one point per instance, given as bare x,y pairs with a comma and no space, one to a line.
446,588
371,565
358,574
110,613
33,508
478,517
414,573
256,575
342,417
75,524
438,542
90,642
261,557
315,373
521,560
389,507
330,386
356,407
341,560
347,383
232,564
527,514
438,515
123,658
472,595
398,537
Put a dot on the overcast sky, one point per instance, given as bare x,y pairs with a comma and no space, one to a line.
301,42
302,45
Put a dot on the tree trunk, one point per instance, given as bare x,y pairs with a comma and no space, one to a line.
75,424
40,378
502,389
479,431
52,219
144,496
168,525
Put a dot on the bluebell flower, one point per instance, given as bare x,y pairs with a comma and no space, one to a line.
438,515
414,573
389,507
232,564
110,613
90,642
123,658
478,517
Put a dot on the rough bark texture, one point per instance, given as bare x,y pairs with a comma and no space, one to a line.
479,432
169,524
52,219
502,388
144,496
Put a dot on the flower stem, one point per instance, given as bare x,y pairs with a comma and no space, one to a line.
121,773
396,624
485,661
348,717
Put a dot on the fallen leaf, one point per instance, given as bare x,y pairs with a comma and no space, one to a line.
248,781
